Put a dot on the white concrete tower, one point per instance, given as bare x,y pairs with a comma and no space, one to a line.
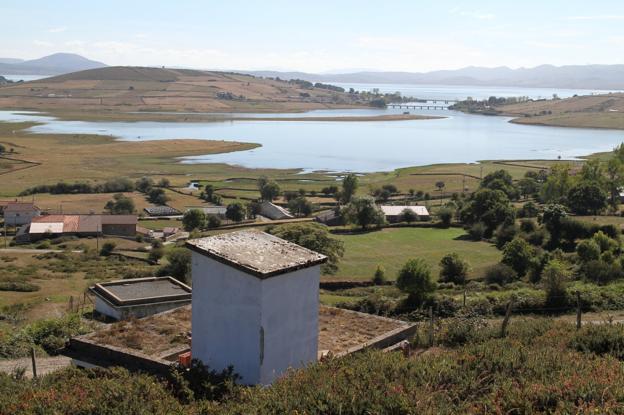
255,304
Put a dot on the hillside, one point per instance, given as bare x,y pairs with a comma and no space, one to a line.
547,76
57,63
130,89
592,111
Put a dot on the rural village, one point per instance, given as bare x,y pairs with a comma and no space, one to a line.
220,241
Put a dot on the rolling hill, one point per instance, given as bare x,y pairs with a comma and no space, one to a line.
131,89
58,63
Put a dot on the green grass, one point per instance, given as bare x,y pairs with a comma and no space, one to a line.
393,247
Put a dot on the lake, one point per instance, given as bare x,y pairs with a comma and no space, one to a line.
24,78
356,146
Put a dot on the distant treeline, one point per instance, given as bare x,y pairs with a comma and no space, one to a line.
109,186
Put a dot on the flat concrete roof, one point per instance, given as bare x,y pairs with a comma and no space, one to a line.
256,253
142,291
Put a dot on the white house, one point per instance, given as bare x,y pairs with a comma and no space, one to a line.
255,304
393,213
20,213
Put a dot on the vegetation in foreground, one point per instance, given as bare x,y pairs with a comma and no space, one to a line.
540,367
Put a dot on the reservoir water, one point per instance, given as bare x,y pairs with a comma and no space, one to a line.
361,146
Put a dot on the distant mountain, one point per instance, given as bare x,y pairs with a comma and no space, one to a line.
11,60
547,76
56,64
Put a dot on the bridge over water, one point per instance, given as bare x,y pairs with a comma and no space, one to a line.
430,104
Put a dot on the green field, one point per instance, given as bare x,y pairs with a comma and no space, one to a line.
393,247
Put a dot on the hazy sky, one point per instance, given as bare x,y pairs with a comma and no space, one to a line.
318,35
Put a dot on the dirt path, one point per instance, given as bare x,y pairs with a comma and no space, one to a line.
45,365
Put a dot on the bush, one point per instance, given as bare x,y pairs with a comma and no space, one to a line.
500,274
415,280
446,217
477,231
600,339
528,225
18,286
213,221
601,272
107,248
453,269
505,234
193,219
380,276
554,278
155,255
588,250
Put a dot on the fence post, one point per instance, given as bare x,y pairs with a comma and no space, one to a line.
464,298
430,326
34,362
71,303
506,319
578,310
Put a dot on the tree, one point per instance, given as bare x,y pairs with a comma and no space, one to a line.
446,216
518,254
235,212
440,185
300,206
155,254
2,149
349,187
491,207
408,215
500,180
500,274
157,196
179,266
363,211
588,250
557,184
120,205
453,269
379,278
587,197
144,184
554,278
193,219
164,182
552,218
615,180
528,187
269,191
314,237
414,279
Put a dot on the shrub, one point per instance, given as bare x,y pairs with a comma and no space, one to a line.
453,269
193,219
528,225
500,274
107,248
446,217
601,272
600,339
588,250
19,286
415,280
554,278
504,234
380,276
156,254
235,212
477,231
604,242
213,221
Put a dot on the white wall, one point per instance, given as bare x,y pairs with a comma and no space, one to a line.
231,309
226,318
290,307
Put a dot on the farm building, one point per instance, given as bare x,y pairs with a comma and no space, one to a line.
82,225
274,212
255,304
139,297
330,218
162,211
394,213
20,213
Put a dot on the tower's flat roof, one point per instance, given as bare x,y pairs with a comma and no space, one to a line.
256,253
138,291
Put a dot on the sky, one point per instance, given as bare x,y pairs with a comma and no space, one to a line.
318,36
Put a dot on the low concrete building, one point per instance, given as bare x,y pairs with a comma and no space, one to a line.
210,210
274,212
139,297
394,213
162,211
20,213
255,304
